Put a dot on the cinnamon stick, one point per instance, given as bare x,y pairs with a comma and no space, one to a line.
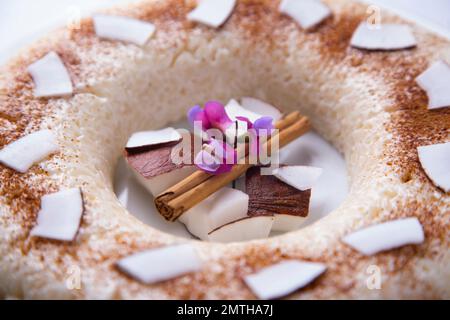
187,193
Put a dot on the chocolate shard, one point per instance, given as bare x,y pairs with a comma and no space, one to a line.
270,196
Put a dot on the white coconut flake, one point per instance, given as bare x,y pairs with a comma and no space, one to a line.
383,37
386,236
212,13
152,138
161,264
300,177
283,278
50,77
234,109
436,82
260,107
435,161
21,154
307,13
243,230
123,29
60,215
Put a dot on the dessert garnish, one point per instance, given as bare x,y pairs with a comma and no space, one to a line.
307,13
123,29
386,236
436,83
269,196
161,264
257,106
220,208
212,13
300,177
283,278
140,141
195,188
21,154
153,165
60,215
248,228
383,37
435,161
50,77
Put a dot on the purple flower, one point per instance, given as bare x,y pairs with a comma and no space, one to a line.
216,157
212,116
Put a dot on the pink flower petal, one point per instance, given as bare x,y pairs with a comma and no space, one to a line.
197,114
217,116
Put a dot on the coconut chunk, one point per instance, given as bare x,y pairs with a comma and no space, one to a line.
436,83
220,208
60,215
152,138
156,265
156,168
123,29
260,107
283,278
435,161
234,109
21,154
386,236
212,13
249,228
300,177
307,13
270,196
383,37
50,77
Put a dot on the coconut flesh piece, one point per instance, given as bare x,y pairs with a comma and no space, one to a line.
123,29
436,83
307,13
21,154
220,208
435,161
212,13
386,236
300,177
383,37
283,278
260,107
245,229
155,168
148,139
156,265
50,77
60,215
269,196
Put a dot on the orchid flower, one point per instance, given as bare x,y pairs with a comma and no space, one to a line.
216,156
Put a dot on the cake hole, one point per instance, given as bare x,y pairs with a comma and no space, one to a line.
310,150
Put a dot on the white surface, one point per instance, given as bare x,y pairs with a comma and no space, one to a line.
383,37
